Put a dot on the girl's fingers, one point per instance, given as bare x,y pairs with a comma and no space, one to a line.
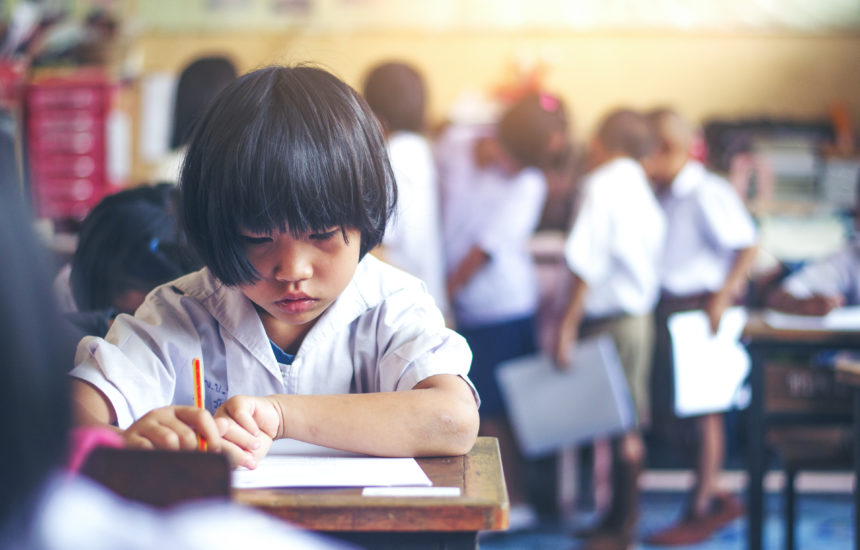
238,456
237,435
241,410
135,441
199,422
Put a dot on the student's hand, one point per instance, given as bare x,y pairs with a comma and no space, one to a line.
565,347
715,307
250,425
174,428
819,304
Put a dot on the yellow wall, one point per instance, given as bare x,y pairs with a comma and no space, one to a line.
705,74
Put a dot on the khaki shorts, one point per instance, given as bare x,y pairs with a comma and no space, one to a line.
634,339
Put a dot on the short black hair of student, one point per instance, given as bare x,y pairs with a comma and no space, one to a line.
396,93
527,126
627,132
37,355
198,83
283,148
131,240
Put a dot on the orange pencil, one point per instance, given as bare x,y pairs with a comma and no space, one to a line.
197,367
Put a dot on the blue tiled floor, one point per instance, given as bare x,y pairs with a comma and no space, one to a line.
824,522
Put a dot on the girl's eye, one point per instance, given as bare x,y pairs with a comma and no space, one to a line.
323,236
252,240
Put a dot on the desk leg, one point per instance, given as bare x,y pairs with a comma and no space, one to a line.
755,453
856,421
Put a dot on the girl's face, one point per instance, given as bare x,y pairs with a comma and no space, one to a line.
300,277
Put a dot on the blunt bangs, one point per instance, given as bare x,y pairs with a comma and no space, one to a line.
283,149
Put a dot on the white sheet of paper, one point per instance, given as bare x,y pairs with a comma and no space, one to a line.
709,369
551,409
411,492
843,318
296,464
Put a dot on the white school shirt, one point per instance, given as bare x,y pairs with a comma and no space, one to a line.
74,512
616,241
413,240
837,275
707,223
383,333
497,212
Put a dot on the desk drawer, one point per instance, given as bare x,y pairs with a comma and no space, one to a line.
800,388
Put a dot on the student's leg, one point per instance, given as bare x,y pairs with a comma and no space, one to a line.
710,463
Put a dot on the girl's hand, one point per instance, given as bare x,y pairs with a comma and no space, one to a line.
820,304
249,425
174,428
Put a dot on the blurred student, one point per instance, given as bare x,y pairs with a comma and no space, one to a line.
396,93
129,243
302,334
820,287
613,252
493,190
709,251
41,506
199,82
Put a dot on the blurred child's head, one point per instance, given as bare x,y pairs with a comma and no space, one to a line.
198,83
621,133
395,91
533,131
284,151
129,243
674,139
37,355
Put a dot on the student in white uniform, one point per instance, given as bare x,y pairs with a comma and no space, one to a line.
709,251
613,252
302,335
819,287
493,191
396,93
44,507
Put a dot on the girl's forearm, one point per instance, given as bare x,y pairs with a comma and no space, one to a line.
438,417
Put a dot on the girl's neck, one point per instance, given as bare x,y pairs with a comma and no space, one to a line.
287,337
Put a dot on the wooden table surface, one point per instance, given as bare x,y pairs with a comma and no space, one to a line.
757,329
482,505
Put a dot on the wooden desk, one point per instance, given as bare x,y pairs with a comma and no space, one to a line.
423,522
848,372
762,342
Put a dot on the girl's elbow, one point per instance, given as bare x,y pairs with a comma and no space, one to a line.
461,429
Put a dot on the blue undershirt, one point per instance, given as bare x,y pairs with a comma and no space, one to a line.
281,356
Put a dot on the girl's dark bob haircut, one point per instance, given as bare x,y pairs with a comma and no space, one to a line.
283,148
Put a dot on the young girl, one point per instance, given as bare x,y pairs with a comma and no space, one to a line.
130,243
302,335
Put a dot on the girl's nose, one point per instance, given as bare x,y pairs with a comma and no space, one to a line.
294,263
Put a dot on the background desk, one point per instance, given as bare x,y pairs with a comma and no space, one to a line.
412,522
848,372
763,342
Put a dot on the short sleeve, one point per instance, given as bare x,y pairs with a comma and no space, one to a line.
727,222
134,364
588,246
416,344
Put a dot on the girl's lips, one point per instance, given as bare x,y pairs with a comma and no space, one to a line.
299,304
